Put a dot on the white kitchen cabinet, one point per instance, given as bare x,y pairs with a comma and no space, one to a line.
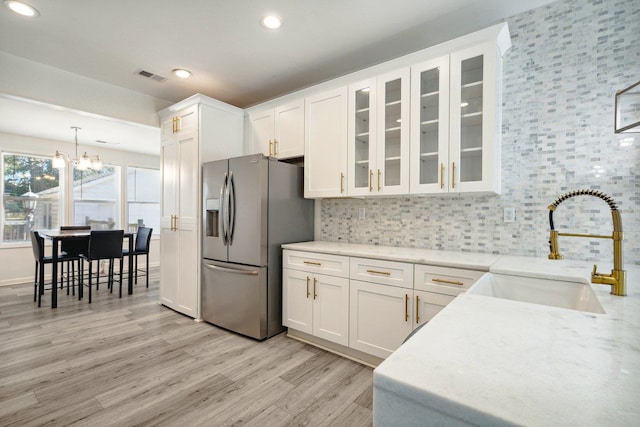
378,130
475,125
278,132
380,317
381,295
194,131
430,126
325,152
314,303
455,136
427,305
444,280
435,287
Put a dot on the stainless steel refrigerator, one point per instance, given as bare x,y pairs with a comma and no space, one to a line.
251,206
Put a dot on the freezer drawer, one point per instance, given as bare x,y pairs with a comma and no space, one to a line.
234,297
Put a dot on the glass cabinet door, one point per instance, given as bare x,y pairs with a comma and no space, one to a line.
392,169
430,126
362,137
473,120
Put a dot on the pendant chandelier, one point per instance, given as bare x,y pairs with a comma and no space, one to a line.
81,163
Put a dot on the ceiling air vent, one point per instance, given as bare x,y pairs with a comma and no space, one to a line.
151,76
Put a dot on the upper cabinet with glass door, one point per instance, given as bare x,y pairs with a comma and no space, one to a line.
430,126
379,135
455,126
474,152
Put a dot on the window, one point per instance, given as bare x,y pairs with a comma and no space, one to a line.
96,198
31,196
143,198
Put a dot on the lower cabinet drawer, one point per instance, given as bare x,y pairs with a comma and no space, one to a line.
390,273
444,280
333,265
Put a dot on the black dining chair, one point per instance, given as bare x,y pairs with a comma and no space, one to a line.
103,245
141,247
37,244
73,249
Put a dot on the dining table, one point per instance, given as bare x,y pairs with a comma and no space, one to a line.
57,235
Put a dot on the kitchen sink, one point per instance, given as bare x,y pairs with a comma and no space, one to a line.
555,293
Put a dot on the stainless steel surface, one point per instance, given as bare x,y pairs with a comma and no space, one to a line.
234,297
214,185
249,191
260,206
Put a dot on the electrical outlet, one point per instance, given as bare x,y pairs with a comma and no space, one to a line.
509,214
361,213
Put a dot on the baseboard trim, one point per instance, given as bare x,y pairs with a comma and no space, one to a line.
340,350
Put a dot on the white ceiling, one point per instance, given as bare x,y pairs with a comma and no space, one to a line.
231,56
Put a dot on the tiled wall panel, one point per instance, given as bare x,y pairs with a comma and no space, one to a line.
567,61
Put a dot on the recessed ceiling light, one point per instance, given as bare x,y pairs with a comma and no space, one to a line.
21,8
182,73
271,22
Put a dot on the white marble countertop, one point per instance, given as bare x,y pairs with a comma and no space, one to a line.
489,361
469,260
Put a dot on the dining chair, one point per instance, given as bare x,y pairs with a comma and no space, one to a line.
37,244
103,245
141,247
73,249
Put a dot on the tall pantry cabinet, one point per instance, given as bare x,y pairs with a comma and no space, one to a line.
194,131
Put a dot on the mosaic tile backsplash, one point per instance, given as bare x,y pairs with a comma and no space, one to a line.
567,61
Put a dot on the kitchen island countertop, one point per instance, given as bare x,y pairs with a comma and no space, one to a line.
489,361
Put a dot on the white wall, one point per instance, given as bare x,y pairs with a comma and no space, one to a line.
16,262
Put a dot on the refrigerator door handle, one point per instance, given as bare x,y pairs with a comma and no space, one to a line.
223,223
232,270
232,208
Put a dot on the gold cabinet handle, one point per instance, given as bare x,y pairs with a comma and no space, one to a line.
312,263
417,309
315,295
386,273
173,125
175,223
379,176
275,147
308,287
406,307
450,282
270,144
341,183
370,180
453,175
441,176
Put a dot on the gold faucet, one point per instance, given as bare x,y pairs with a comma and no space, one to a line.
617,279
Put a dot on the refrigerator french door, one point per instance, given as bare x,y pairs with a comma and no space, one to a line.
251,206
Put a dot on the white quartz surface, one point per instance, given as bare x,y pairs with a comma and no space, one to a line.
489,361
469,260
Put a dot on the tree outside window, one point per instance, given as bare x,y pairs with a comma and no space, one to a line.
31,196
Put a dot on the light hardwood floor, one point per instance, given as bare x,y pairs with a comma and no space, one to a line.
131,361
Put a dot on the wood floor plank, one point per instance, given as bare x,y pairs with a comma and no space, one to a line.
130,361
